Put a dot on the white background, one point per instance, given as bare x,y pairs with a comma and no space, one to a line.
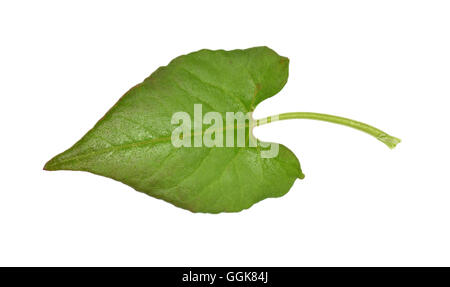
64,64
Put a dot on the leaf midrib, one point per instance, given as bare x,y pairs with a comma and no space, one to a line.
51,165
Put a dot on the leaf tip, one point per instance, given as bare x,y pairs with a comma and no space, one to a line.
46,167
49,166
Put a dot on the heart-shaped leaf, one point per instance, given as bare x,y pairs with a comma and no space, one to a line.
132,142
201,170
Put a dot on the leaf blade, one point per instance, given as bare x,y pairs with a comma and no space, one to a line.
131,143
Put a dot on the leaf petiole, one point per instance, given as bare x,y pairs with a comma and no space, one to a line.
388,140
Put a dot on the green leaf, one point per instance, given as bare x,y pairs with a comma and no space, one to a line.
132,142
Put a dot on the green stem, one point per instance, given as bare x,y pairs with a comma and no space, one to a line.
388,140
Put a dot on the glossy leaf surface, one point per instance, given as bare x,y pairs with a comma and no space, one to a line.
132,142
